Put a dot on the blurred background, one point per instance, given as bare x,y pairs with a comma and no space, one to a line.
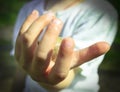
109,70
8,15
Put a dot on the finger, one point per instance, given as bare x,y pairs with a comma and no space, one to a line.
63,62
90,53
50,37
36,27
44,51
30,19
17,53
29,38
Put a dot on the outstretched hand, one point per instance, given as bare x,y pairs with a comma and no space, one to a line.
35,56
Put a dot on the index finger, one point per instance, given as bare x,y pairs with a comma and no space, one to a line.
29,20
36,28
89,53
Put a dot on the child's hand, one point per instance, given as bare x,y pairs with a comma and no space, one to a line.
37,57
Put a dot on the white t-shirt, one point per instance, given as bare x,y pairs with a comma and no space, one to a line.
87,23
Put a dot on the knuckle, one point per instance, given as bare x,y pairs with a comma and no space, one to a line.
25,39
41,55
23,27
39,60
53,31
47,19
55,27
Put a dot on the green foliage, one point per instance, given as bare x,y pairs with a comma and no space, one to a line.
9,11
116,3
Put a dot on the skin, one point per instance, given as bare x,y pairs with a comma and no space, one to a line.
34,56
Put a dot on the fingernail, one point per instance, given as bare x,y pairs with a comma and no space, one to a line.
68,43
57,21
35,12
